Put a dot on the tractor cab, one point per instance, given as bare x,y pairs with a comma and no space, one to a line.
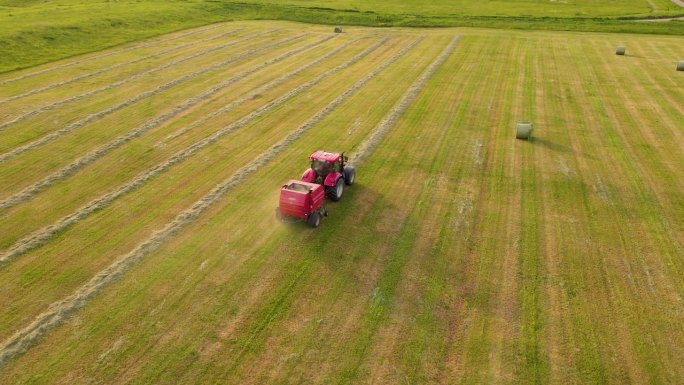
324,163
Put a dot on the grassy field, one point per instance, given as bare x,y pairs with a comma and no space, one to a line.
35,32
440,8
138,242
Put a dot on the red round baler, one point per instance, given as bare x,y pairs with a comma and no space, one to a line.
302,200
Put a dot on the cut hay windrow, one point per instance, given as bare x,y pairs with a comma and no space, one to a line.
60,311
106,69
119,141
94,117
39,237
54,105
80,61
263,89
368,145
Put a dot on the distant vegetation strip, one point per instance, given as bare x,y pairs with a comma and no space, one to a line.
61,41
60,311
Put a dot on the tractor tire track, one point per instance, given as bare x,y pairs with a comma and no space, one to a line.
89,158
39,237
54,105
265,88
368,145
61,311
144,45
97,116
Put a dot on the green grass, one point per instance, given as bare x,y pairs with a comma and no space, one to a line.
40,32
440,8
461,255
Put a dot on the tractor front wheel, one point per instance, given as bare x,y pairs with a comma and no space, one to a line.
314,219
349,175
335,192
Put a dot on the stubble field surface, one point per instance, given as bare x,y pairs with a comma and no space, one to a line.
138,242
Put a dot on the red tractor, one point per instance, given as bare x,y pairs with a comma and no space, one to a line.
327,176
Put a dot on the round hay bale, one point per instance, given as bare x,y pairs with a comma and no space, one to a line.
680,65
620,51
338,30
523,130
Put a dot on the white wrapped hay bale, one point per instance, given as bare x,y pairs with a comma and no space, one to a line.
523,130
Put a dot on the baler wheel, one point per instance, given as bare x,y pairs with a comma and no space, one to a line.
336,191
349,175
314,219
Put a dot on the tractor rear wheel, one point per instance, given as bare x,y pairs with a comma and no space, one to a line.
314,219
335,192
349,175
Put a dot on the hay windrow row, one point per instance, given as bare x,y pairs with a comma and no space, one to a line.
367,147
60,311
261,90
40,236
92,156
98,72
54,105
80,61
97,116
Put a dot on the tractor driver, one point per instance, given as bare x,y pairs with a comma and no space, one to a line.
322,168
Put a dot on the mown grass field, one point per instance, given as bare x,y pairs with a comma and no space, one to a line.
138,242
